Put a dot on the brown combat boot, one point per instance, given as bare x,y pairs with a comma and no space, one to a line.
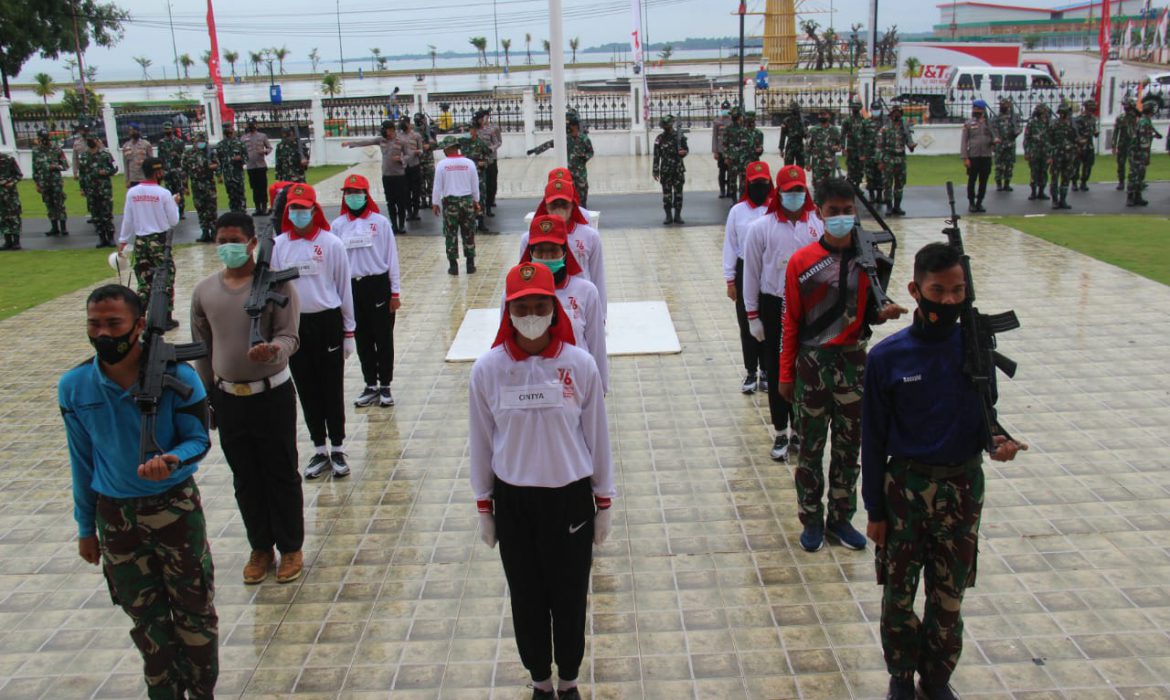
256,570
291,565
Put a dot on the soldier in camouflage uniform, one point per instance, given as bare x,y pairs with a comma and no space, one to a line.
1087,132
1008,128
143,522
735,146
170,152
824,141
231,154
426,158
580,151
670,148
720,123
1062,155
1036,151
48,164
202,164
457,200
1123,130
855,138
478,150
892,142
95,168
923,483
792,135
290,159
10,201
873,171
755,138
1139,155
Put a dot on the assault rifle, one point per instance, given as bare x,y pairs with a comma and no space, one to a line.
264,278
540,148
302,142
876,263
158,357
980,358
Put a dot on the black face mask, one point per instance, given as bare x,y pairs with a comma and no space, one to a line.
976,115
113,349
758,191
935,320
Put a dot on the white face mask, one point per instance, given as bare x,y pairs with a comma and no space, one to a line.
533,326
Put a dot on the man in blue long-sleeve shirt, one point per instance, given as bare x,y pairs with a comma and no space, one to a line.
143,522
922,478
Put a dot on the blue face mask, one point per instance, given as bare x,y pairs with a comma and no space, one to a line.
792,201
839,226
355,202
300,218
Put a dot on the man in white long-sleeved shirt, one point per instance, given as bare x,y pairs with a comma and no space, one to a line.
326,324
456,196
742,215
790,223
151,211
373,268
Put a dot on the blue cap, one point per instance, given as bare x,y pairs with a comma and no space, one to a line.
980,104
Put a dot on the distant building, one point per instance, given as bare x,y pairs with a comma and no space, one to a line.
969,21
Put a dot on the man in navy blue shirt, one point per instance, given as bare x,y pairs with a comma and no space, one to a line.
143,522
922,478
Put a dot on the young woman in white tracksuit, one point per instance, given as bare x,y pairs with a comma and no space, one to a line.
560,199
541,473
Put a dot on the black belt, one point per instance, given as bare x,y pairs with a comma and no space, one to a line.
939,471
155,500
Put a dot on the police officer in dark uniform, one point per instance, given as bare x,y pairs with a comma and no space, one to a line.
922,424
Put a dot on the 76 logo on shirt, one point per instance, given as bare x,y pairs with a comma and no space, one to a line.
565,376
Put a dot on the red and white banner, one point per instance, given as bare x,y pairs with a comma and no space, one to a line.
227,114
1163,25
1105,44
638,51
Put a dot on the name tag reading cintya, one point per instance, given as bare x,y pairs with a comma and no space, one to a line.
532,396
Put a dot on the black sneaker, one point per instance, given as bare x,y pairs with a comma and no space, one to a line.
538,694
570,694
385,399
317,466
900,689
749,384
453,269
470,266
172,324
780,448
794,445
936,692
368,397
340,466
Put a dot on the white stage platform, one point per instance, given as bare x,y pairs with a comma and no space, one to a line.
632,328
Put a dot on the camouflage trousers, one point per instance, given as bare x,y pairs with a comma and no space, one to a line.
1137,172
1005,163
672,190
822,171
873,176
459,222
794,155
427,173
100,200
206,204
1063,171
158,569
894,178
932,524
855,167
53,195
1086,157
234,184
1039,171
1122,155
148,255
828,395
10,211
177,184
580,183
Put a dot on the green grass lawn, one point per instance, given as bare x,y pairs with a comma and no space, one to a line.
75,204
936,170
1140,244
31,277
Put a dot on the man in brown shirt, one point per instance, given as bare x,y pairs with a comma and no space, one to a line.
490,132
977,148
258,147
396,153
253,402
135,151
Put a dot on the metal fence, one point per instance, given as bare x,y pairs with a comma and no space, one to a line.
363,116
61,126
149,119
271,118
774,103
603,111
691,110
958,102
507,110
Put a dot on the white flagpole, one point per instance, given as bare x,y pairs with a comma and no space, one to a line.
556,49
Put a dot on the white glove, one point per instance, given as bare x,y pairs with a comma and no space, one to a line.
756,328
601,525
349,347
487,529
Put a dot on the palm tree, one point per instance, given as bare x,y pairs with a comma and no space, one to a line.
548,50
480,44
255,57
44,88
315,58
528,47
331,87
376,54
666,52
382,62
434,55
206,58
912,66
281,54
573,44
144,62
231,57
71,64
507,45
186,62
829,37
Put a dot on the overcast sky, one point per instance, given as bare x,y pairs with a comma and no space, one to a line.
396,27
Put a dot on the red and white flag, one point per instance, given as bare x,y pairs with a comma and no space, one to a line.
1163,25
227,114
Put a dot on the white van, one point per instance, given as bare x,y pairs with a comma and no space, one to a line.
992,84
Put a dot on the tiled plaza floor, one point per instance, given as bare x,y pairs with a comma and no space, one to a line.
702,591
